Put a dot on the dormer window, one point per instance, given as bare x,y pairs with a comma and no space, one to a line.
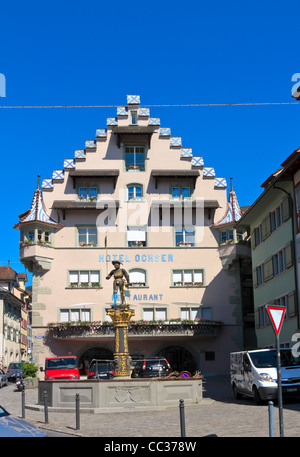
133,117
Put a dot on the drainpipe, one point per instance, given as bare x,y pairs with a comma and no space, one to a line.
291,208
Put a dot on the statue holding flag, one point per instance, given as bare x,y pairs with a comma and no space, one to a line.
121,281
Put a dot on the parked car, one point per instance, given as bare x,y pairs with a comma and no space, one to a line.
3,378
150,368
61,368
12,426
101,369
14,368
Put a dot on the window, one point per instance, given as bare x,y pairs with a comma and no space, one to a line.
87,236
184,236
135,192
134,117
136,236
279,264
30,235
84,278
187,278
87,193
260,275
157,314
180,192
137,277
75,315
258,235
276,218
283,301
189,313
134,158
262,316
226,236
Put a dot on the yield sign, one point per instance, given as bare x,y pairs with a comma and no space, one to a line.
276,314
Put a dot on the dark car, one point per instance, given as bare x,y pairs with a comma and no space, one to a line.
101,369
150,368
12,426
14,369
3,378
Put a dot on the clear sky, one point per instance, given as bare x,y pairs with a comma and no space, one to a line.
169,53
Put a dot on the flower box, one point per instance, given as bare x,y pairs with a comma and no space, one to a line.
85,245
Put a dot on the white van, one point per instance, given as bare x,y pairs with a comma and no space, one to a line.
254,373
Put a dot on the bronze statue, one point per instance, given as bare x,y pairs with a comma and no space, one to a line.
119,282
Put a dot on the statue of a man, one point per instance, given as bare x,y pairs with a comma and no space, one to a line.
119,282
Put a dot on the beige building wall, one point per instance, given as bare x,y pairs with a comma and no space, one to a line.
219,297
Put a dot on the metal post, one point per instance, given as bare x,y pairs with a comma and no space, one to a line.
279,386
182,419
271,419
46,407
23,404
77,412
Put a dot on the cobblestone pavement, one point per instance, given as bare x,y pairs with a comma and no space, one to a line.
219,414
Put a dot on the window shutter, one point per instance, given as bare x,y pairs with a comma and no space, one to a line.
256,318
265,228
268,269
291,304
289,254
252,238
254,275
285,209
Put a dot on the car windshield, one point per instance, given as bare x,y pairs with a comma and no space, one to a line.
14,366
3,413
102,366
155,363
60,364
267,359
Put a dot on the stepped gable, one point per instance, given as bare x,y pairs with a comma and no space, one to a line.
143,114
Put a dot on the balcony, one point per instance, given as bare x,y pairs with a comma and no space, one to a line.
72,330
230,252
38,253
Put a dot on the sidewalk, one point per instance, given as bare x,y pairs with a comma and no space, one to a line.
220,414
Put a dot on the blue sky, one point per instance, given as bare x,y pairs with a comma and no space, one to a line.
169,53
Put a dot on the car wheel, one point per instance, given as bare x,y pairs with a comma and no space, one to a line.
256,396
236,393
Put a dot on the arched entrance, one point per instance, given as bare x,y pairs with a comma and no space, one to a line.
93,353
179,358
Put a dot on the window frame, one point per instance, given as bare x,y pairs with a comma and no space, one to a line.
134,166
87,242
83,284
184,283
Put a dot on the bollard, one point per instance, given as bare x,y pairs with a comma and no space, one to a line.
182,420
23,404
271,419
46,407
77,412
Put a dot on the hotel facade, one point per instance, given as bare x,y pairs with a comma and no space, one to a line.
139,195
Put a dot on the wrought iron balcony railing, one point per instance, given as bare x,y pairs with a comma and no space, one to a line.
181,328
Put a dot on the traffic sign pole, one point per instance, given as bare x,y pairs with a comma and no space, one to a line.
278,358
276,315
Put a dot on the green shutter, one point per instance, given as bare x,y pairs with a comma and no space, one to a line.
289,254
252,239
291,304
254,277
285,209
268,269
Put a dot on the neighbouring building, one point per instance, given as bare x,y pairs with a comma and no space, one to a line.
14,306
273,224
137,194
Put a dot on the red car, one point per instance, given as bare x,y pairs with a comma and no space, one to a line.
61,368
